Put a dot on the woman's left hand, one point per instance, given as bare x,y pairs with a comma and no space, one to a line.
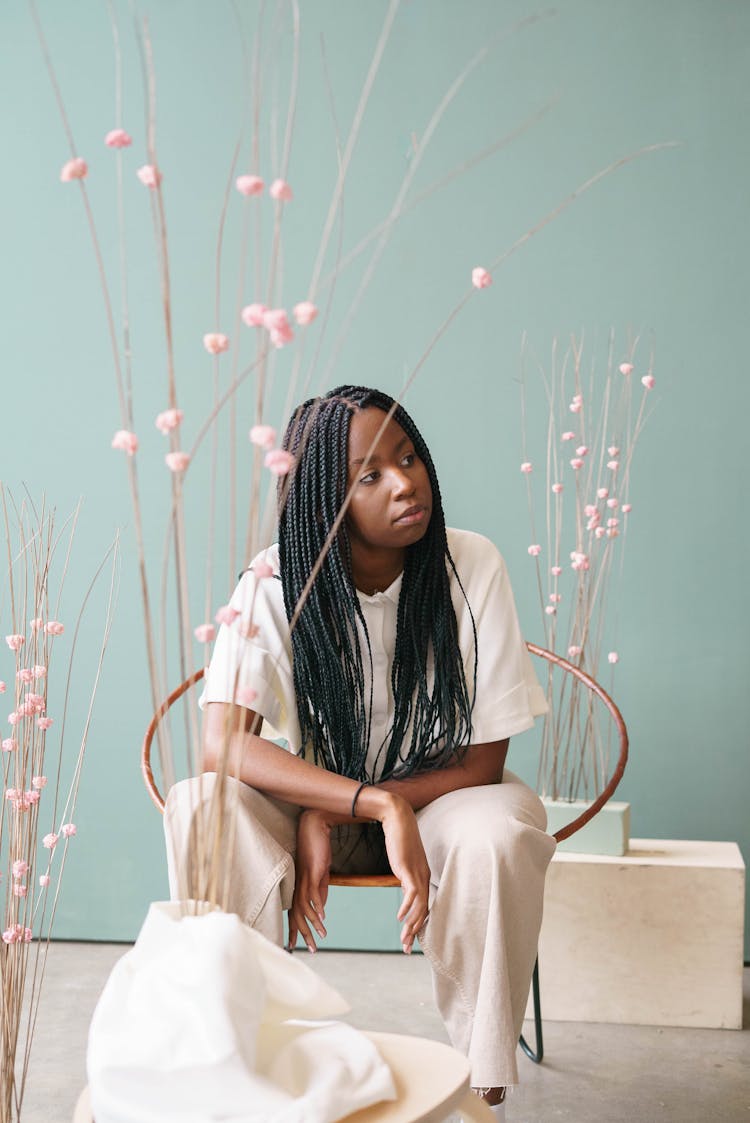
312,872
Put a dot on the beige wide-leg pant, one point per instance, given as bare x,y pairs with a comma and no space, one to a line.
488,853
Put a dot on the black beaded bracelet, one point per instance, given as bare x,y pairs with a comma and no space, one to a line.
364,784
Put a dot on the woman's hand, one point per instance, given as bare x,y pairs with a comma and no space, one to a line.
409,863
312,871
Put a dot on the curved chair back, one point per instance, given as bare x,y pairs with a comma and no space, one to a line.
389,880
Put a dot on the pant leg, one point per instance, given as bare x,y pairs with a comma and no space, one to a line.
254,838
488,852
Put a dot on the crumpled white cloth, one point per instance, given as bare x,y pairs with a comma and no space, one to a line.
204,1019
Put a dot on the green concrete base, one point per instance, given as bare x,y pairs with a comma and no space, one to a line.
607,833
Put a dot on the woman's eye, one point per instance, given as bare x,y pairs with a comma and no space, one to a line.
369,478
409,459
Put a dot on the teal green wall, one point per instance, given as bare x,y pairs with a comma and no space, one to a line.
660,248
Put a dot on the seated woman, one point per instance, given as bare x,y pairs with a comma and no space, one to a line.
397,690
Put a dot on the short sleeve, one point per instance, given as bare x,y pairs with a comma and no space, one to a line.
508,695
254,653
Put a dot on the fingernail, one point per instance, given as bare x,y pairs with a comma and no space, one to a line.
312,949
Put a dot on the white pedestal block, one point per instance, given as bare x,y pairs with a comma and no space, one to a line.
651,938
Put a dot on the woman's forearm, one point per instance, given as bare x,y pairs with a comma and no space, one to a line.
482,764
283,775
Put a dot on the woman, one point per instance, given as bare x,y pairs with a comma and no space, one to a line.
403,679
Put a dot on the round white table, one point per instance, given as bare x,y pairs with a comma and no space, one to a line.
432,1081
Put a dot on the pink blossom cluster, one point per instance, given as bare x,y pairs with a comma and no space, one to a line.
253,185
17,934
276,320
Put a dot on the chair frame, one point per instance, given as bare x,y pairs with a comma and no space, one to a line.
389,880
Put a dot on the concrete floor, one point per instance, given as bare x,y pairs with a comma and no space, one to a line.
602,1073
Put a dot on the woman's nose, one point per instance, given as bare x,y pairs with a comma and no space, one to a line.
403,484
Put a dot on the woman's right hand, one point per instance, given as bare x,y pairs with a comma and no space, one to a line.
409,863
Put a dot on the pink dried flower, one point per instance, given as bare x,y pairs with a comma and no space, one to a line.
15,642
54,628
253,315
603,492
245,696
226,615
32,797
12,793
20,868
125,441
578,560
22,803
74,169
613,522
249,184
613,465
613,533
648,381
19,890
600,532
39,782
576,463
3,687
280,190
613,450
44,722
534,550
555,598
149,175
480,278
44,880
626,368
14,717
589,510
304,313
627,508
36,624
35,703
9,936
177,461
205,633
582,450
556,570
25,675
550,609
9,745
576,405
67,830
594,521
50,841
569,436
574,650
527,467
613,503
557,488
279,461
276,322
262,570
39,670
168,420
215,342
263,436
118,138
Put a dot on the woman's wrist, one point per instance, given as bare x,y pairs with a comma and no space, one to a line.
376,803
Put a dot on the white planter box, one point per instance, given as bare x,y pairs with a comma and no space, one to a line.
607,833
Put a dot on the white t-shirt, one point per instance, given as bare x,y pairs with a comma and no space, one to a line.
255,653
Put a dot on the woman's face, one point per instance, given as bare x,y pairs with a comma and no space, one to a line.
391,501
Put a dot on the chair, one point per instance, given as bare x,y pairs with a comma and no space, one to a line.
389,880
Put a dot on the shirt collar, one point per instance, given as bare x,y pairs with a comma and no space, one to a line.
392,593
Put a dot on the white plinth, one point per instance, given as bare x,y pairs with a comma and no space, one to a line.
652,938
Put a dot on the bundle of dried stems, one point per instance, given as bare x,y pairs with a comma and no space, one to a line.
40,783
579,519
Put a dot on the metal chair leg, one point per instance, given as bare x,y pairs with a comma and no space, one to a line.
537,1056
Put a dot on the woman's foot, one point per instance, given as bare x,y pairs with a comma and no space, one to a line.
495,1100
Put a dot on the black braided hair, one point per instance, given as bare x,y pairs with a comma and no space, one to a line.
431,722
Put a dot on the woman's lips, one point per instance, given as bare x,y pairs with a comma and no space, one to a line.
413,515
